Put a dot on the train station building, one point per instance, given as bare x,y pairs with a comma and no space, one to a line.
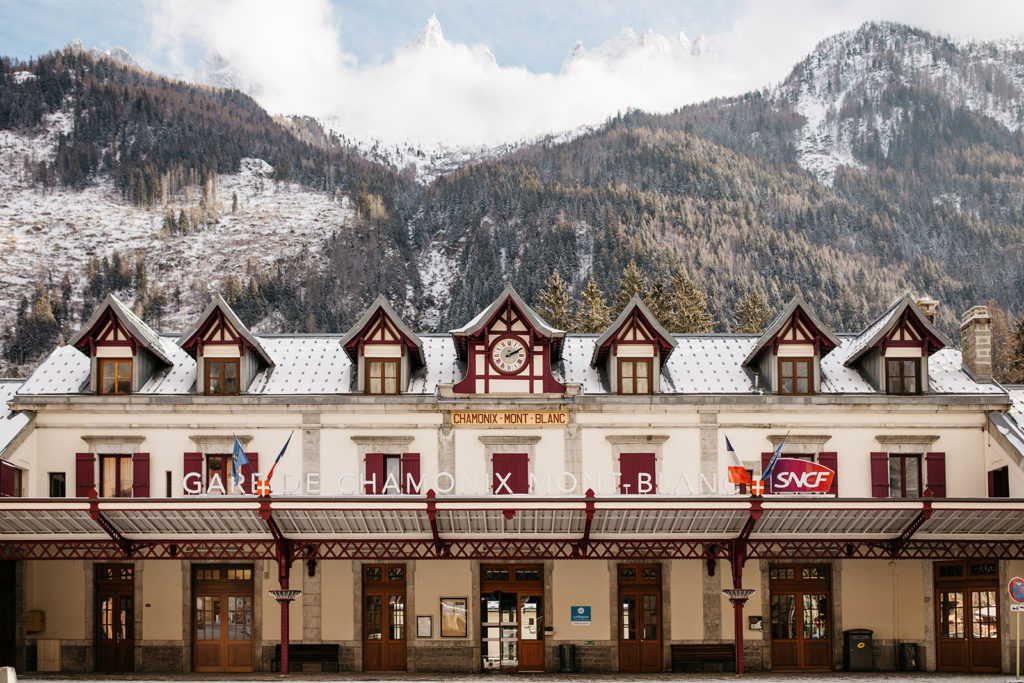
481,500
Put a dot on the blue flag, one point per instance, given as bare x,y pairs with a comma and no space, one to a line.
775,456
237,460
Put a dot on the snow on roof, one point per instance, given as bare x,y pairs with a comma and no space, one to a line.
783,316
1011,423
11,424
133,323
877,329
318,364
243,331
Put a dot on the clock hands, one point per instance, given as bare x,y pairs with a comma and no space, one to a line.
509,354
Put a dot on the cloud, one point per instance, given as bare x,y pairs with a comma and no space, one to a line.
290,57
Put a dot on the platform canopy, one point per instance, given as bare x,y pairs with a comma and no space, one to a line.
509,527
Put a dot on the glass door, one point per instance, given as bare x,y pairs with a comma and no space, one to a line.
384,618
967,616
222,618
640,618
499,629
512,617
801,617
115,618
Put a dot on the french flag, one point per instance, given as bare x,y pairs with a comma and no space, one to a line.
737,472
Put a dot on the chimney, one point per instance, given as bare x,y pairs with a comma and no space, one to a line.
976,334
928,306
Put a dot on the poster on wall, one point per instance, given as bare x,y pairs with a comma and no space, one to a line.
579,615
453,617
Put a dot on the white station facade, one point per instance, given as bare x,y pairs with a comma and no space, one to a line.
510,497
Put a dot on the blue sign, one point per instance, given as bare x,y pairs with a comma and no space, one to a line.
1016,589
580,615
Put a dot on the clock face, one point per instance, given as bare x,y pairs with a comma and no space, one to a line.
508,355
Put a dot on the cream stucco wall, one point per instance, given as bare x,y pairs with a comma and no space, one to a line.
577,583
272,610
443,579
337,594
161,599
58,588
687,600
886,597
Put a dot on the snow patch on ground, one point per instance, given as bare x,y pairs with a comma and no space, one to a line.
437,274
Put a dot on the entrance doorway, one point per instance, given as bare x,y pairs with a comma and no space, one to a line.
801,617
222,626
8,610
967,616
115,617
384,617
640,618
512,617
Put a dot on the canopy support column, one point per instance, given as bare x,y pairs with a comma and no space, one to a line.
738,595
283,554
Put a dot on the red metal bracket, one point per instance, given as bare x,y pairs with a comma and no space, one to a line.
283,547
440,547
126,546
898,544
580,550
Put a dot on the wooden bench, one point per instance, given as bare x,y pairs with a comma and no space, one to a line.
694,657
326,655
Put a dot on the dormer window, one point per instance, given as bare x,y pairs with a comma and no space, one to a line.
634,375
115,376
796,376
632,351
221,377
384,352
902,375
382,376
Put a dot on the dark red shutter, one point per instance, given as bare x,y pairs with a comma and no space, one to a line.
411,473
6,479
193,465
374,472
831,461
935,464
516,467
140,475
631,465
85,474
879,475
765,459
249,472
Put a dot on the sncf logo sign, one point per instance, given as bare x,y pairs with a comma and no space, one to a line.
800,476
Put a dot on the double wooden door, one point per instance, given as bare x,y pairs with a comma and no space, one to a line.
8,610
222,618
967,616
115,618
801,617
512,617
385,618
640,618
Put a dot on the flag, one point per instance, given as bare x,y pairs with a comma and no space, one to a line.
766,475
737,472
237,460
279,455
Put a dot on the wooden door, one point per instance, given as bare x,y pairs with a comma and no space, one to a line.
222,618
8,610
384,618
115,618
512,617
801,617
640,647
967,616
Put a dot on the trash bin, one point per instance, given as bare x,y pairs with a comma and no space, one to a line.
857,654
567,658
906,657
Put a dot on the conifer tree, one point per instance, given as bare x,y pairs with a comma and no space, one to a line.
657,300
554,304
632,282
593,315
688,307
752,313
1016,375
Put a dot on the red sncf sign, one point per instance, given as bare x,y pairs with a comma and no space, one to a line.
800,476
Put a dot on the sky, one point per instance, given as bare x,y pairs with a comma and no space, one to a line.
501,72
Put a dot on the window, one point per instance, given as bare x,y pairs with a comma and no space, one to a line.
392,473
381,376
511,473
999,483
221,377
634,375
636,472
116,476
901,376
220,466
10,480
58,485
115,376
795,376
904,476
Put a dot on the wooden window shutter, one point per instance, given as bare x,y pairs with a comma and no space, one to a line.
935,468
249,472
765,459
193,465
514,466
85,474
140,475
631,465
6,479
879,475
520,479
411,473
374,481
831,461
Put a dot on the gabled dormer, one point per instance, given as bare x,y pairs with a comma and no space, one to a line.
383,349
508,349
892,353
787,357
227,355
124,352
632,351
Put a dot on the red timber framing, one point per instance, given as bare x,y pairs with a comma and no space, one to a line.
635,329
800,329
107,331
381,331
217,330
907,331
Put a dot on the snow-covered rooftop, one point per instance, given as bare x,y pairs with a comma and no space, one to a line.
11,424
